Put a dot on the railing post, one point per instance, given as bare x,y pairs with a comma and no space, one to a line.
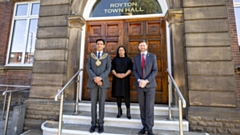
180,117
4,106
77,96
60,116
170,101
7,114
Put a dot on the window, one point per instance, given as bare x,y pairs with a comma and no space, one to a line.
237,16
23,34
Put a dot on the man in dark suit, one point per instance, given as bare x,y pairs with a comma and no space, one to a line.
145,71
98,68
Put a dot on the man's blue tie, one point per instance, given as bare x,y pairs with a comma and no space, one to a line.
98,55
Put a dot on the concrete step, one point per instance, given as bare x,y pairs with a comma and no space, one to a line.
113,125
160,122
50,128
111,107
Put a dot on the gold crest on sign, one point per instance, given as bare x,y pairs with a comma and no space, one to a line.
98,62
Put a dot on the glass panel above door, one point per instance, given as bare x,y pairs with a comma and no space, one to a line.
104,8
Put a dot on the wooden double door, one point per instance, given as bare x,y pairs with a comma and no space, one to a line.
128,33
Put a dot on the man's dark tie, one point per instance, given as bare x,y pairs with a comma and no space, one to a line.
143,63
98,55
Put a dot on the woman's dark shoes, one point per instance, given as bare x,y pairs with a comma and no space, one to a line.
92,128
150,132
119,114
100,129
142,131
128,113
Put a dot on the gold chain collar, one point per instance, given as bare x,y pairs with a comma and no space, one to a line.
98,62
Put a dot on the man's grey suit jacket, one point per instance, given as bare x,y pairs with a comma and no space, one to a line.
101,71
150,69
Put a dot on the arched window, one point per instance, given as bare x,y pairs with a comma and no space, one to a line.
104,8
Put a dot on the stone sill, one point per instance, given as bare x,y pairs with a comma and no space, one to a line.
15,67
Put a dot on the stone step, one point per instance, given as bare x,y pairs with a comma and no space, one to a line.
160,122
111,107
50,128
119,125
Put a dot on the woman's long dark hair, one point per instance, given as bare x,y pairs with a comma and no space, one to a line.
117,55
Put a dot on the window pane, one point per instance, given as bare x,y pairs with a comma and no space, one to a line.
237,16
21,10
236,0
18,41
35,9
31,41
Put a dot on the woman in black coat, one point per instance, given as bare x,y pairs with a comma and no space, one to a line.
121,69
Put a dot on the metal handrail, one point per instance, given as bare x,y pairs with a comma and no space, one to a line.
5,93
181,103
61,92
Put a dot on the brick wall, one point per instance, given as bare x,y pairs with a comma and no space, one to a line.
10,76
15,77
234,45
6,9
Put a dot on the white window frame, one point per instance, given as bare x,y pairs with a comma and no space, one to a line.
237,5
14,18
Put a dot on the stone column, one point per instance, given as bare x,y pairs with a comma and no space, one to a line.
174,17
213,106
76,23
56,59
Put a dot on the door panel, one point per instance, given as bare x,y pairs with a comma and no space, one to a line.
128,33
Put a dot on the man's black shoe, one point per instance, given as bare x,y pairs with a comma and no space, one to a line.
92,129
150,132
100,129
142,131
